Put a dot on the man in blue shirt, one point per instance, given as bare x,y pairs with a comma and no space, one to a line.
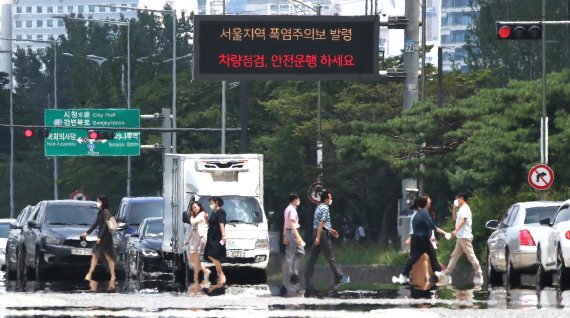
322,232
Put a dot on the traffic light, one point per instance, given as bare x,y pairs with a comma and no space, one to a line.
101,134
36,132
519,30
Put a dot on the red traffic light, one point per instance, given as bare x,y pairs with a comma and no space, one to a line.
98,135
37,132
519,30
504,32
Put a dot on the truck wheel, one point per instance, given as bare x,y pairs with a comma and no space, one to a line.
259,276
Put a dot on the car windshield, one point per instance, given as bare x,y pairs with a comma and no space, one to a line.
142,210
153,230
4,230
60,214
534,215
238,209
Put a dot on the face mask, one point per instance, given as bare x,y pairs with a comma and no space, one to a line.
330,203
456,202
99,205
212,207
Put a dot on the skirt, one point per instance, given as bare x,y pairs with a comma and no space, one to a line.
197,243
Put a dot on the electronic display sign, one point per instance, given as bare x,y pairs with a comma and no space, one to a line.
285,47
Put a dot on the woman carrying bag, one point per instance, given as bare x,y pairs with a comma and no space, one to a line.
104,243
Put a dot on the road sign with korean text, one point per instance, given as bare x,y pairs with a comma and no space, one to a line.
72,136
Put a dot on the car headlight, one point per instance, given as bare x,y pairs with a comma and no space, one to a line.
54,240
147,252
262,243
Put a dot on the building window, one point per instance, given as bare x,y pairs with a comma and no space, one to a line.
50,23
91,8
39,9
39,23
124,7
29,23
18,37
60,23
102,9
59,9
18,9
18,24
50,37
113,9
80,8
29,36
28,9
40,37
50,9
69,9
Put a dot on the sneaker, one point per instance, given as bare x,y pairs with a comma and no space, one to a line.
400,279
345,279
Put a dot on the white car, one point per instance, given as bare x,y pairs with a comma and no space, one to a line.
4,231
553,252
511,248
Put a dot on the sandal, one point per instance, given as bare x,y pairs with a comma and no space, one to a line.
111,284
88,277
93,285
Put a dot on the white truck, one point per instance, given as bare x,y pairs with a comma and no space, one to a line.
238,180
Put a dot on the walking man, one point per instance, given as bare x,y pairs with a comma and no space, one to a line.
464,244
323,232
295,247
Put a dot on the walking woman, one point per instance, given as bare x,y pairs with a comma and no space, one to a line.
196,243
104,243
216,244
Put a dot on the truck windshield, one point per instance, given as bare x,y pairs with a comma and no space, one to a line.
60,214
238,209
142,210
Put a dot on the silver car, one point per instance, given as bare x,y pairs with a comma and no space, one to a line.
511,248
4,231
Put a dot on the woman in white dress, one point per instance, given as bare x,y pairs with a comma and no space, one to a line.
196,243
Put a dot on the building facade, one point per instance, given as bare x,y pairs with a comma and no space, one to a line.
456,18
267,7
34,19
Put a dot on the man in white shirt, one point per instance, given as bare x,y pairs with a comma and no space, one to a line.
464,244
295,250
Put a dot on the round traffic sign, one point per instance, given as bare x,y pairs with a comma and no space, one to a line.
540,177
314,192
78,195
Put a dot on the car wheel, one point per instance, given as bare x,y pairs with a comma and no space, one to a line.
140,272
28,270
562,273
10,270
20,266
543,278
38,273
513,276
495,278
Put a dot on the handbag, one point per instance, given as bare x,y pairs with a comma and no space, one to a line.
112,223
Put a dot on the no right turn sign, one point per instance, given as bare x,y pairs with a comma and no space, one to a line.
540,177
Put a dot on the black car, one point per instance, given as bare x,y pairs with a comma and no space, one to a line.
52,237
144,253
14,245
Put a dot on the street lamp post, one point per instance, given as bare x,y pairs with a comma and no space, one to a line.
173,13
55,170
94,58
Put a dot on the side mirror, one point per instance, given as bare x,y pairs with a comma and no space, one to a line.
186,217
33,225
492,224
545,221
121,226
15,226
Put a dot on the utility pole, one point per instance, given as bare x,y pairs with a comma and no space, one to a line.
411,64
544,120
